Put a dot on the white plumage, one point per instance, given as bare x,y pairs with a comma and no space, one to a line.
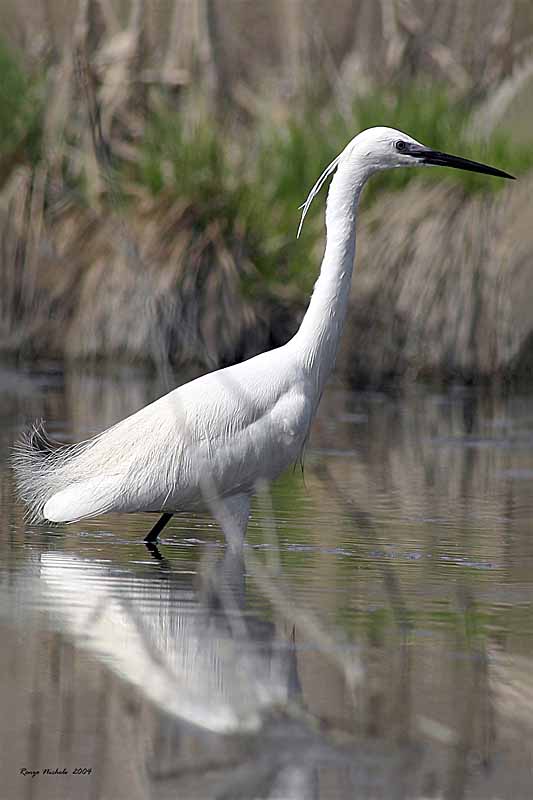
218,435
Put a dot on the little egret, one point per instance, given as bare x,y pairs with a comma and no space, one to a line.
208,443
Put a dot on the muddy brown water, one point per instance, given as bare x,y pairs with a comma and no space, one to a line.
375,641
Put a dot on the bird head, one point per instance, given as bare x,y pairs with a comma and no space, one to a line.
376,149
387,148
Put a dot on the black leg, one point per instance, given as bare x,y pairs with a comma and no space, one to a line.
158,527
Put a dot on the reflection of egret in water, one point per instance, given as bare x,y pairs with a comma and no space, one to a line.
189,662
210,668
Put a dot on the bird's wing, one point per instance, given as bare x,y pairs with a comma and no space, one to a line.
223,426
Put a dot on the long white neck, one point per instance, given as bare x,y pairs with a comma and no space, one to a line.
317,340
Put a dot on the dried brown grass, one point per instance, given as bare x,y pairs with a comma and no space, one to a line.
80,286
449,293
230,45
89,280
443,287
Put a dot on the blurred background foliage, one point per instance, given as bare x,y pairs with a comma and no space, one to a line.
153,157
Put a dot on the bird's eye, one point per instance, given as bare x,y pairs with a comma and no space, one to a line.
401,146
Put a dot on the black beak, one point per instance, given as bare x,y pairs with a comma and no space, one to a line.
438,159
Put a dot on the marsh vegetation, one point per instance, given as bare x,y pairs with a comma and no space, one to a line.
153,158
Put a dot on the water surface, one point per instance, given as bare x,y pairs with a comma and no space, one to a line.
376,639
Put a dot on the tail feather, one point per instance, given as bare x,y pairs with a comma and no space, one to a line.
122,469
41,466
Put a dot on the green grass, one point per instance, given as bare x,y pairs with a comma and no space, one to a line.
431,116
194,162
20,130
254,180
290,158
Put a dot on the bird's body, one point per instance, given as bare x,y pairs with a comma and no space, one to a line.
222,432
207,443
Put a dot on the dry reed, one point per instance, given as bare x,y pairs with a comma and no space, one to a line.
442,287
82,278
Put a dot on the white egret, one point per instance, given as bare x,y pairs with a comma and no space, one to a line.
217,436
